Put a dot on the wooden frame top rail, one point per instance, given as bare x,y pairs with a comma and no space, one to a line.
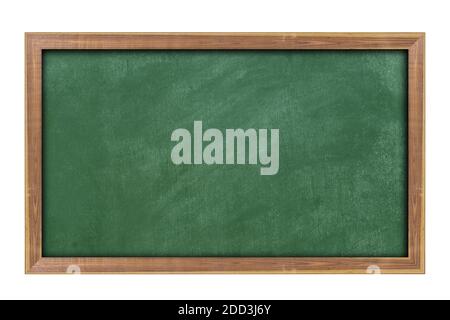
273,41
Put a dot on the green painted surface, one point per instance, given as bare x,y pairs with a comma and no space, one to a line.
111,189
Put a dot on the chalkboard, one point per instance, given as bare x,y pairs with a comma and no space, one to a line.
112,189
225,153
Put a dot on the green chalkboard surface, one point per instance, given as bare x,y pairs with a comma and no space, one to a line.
111,186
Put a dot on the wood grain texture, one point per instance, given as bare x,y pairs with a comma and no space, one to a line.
273,41
413,42
33,151
416,153
227,265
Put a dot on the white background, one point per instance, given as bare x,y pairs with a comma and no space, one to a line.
17,17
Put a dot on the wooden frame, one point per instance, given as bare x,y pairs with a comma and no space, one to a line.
414,43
